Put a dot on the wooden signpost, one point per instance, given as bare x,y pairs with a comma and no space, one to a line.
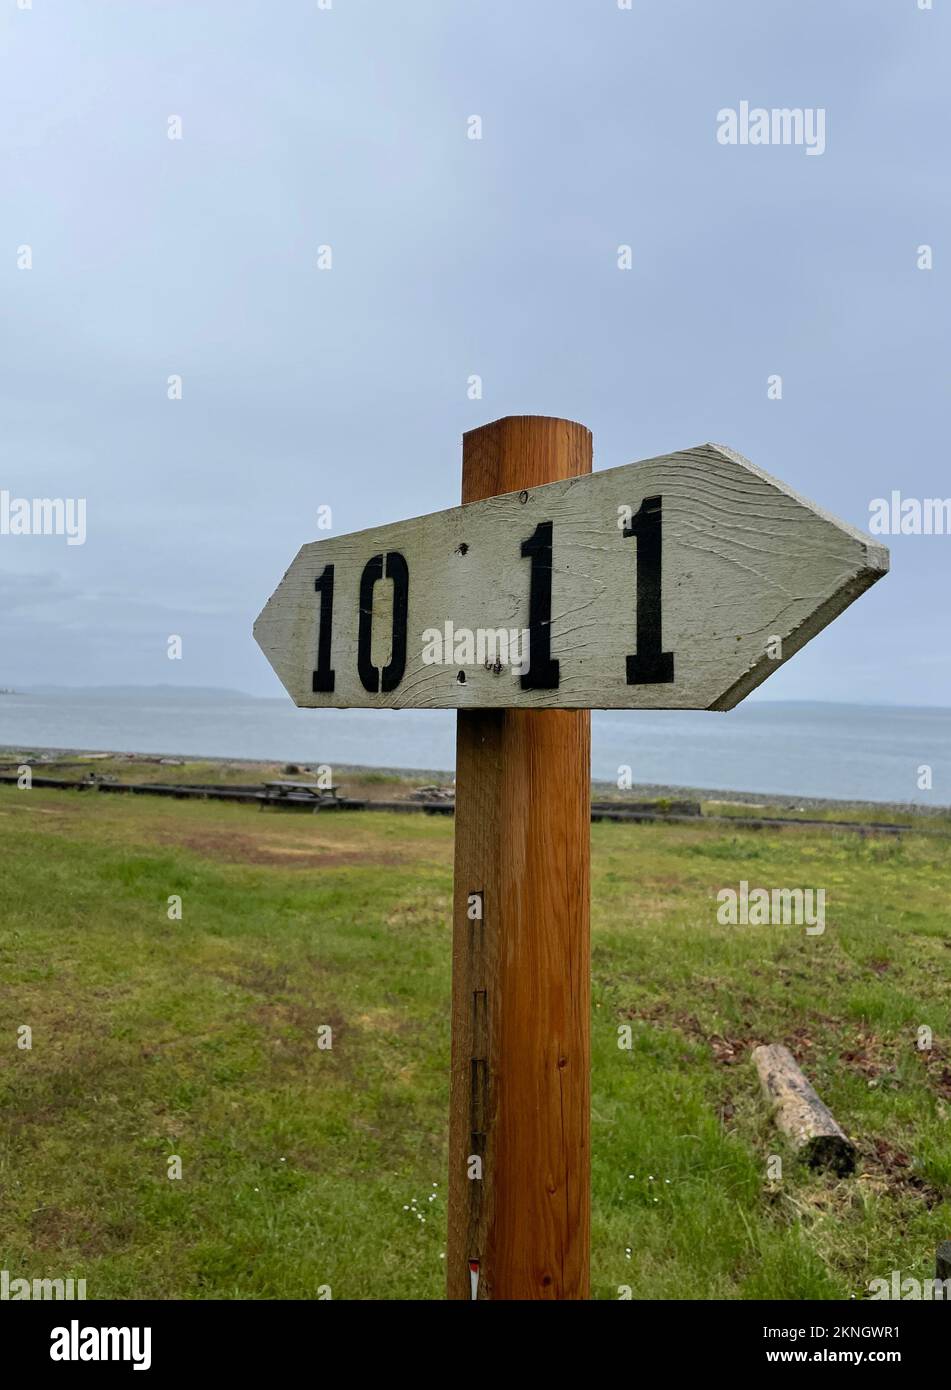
680,582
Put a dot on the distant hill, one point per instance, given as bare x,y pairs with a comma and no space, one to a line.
158,692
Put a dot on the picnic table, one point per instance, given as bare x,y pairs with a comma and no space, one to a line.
299,796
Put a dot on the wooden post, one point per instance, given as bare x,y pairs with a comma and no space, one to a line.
520,1083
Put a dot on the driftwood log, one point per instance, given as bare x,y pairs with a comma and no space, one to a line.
800,1114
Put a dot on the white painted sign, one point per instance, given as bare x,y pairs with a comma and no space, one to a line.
678,583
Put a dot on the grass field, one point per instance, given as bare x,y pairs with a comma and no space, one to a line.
304,1167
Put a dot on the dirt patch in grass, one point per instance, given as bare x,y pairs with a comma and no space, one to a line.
891,1169
28,806
870,1056
276,1018
264,979
51,1228
727,1050
228,848
937,1070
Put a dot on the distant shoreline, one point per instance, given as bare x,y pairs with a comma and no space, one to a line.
227,694
729,795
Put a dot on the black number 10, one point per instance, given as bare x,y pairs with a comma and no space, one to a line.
373,679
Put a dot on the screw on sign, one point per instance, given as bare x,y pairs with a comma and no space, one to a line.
680,582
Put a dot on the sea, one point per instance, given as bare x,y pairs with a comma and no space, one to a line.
836,751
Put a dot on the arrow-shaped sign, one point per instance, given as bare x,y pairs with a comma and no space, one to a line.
680,582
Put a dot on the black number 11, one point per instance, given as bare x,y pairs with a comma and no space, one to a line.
650,665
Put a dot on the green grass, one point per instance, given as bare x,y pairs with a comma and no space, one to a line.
923,819
134,768
199,1038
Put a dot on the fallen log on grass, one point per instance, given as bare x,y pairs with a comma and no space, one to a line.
800,1114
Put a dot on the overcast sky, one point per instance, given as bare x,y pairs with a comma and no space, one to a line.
347,127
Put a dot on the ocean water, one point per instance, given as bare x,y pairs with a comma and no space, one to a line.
865,752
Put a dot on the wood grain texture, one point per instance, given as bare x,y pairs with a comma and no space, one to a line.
745,562
520,1084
